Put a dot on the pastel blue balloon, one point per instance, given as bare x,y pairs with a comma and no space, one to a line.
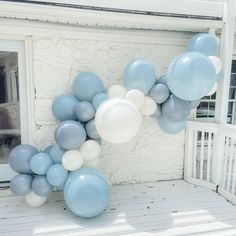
194,104
63,107
21,184
20,156
40,163
86,192
40,186
162,80
91,130
86,85
84,111
98,99
171,127
48,149
175,109
70,135
56,153
158,112
57,175
191,76
139,74
159,93
204,43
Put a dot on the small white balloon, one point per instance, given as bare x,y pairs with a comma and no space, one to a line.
117,91
149,106
72,160
217,63
90,150
34,200
213,90
136,97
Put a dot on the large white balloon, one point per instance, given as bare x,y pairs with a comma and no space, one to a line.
72,160
34,200
90,150
149,106
217,63
136,97
116,91
213,90
118,120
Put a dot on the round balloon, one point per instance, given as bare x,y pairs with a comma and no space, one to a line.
139,74
57,175
118,120
48,149
70,135
40,186
116,91
136,97
159,93
21,184
195,103
191,76
86,85
90,150
34,200
72,160
149,107
98,99
84,111
86,192
56,153
91,130
162,80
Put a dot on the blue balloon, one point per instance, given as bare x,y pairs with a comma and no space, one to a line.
20,156
98,99
86,85
21,184
91,130
56,153
57,175
63,107
86,192
70,135
191,76
40,186
84,111
204,43
159,93
48,149
194,104
139,74
40,163
162,80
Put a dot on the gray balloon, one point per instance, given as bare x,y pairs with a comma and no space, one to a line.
48,149
176,109
40,186
159,93
162,80
158,112
194,104
20,156
21,184
91,130
84,111
56,153
70,135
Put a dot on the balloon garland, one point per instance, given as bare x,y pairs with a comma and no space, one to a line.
115,116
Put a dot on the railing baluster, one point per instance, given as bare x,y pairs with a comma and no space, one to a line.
234,172
209,156
202,154
195,133
229,174
226,153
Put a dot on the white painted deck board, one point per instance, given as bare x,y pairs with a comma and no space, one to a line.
164,208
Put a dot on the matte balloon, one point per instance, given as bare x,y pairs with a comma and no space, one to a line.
57,175
217,63
84,111
118,120
40,163
195,103
72,160
158,112
213,90
139,74
98,99
34,200
63,107
70,135
40,186
175,109
90,150
191,76
162,80
21,184
149,107
86,192
136,97
117,91
91,130
159,93
20,156
86,85
48,149
56,153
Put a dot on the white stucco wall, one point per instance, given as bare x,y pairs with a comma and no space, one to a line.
152,155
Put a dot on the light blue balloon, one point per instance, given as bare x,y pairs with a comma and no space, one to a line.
21,184
56,153
159,93
158,112
139,74
20,156
98,99
191,76
162,80
40,186
204,43
40,163
70,135
171,127
84,111
86,85
86,192
57,175
48,149
91,130
63,107
194,104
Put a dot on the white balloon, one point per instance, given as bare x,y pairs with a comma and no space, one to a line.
90,150
213,90
149,106
217,63
116,91
34,200
136,97
118,120
72,160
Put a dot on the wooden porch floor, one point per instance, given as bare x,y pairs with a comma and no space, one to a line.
164,208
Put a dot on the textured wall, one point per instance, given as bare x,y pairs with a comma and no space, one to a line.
152,155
